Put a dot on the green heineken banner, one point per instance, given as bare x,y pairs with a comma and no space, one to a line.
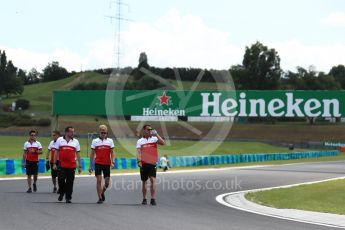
250,103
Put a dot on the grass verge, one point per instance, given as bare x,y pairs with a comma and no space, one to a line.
326,197
12,147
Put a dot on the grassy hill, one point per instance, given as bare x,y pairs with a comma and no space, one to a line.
40,95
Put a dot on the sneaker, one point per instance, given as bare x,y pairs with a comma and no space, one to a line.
35,187
100,201
103,193
153,202
54,190
68,201
60,197
144,202
29,190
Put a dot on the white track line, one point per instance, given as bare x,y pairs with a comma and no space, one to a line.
137,173
221,199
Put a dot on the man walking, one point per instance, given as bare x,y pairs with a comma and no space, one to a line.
50,158
147,156
103,149
67,149
32,149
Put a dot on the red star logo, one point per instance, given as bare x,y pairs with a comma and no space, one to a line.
164,99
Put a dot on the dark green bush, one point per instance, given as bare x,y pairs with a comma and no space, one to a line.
23,104
7,120
43,122
90,86
25,122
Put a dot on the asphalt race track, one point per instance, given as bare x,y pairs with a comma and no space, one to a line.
185,201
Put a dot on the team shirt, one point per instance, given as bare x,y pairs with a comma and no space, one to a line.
67,151
102,149
31,150
148,149
52,149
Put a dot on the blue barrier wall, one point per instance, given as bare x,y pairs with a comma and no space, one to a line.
10,167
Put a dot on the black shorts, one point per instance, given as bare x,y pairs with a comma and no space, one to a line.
102,168
31,168
54,173
147,171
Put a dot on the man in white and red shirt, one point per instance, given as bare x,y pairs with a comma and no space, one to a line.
103,149
32,149
50,158
67,150
147,155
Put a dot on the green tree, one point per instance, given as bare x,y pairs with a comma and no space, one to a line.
33,76
309,80
3,63
139,79
338,72
240,77
291,81
328,82
22,76
143,64
263,67
53,72
10,83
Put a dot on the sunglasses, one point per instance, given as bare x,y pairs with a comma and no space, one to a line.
149,129
103,132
